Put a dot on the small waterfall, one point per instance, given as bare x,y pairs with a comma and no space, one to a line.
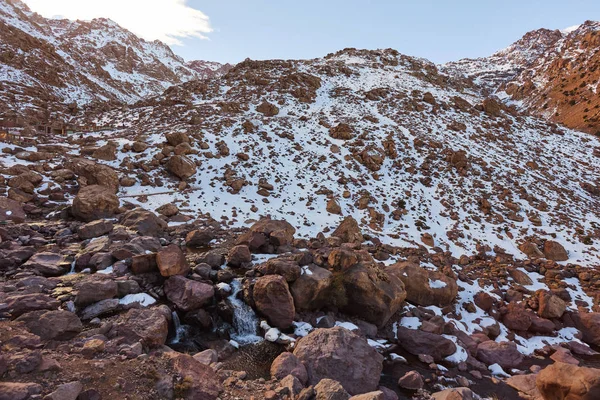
245,322
180,330
72,270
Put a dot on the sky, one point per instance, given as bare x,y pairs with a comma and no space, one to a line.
233,30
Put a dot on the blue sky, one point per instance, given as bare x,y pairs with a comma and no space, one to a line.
437,30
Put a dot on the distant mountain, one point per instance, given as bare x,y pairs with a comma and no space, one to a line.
552,73
209,69
46,63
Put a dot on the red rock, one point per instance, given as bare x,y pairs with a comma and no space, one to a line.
11,210
273,300
555,251
171,261
550,305
504,354
425,287
288,364
188,294
94,202
202,381
412,380
419,342
324,351
561,381
149,326
349,231
312,288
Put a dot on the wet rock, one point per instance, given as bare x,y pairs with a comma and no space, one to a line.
311,289
52,325
419,342
288,364
171,261
187,294
323,351
424,287
273,300
504,354
94,202
569,382
47,264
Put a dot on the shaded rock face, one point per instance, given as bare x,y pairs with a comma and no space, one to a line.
288,364
171,261
349,231
311,290
273,299
324,351
20,304
48,264
95,202
561,381
555,251
11,210
418,342
149,326
52,325
424,287
203,381
181,166
187,294
589,325
368,292
92,173
267,235
504,354
550,305
143,222
330,389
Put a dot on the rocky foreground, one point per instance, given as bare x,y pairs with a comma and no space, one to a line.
102,299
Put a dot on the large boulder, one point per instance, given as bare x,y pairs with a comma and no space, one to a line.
94,229
341,355
181,166
187,294
550,305
288,364
201,381
561,381
369,292
11,210
143,222
47,264
311,290
171,261
91,173
89,292
52,325
95,202
273,300
419,342
287,268
504,354
20,304
267,235
555,251
150,326
348,231
589,325
329,389
425,287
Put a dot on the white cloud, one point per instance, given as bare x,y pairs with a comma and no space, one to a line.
166,20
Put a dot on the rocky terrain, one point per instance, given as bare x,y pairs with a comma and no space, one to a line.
365,225
49,68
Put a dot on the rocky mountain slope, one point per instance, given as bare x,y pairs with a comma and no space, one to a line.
553,74
46,64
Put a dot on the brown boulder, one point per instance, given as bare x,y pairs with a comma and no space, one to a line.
419,342
504,354
289,269
108,152
531,250
48,264
288,364
11,210
150,326
171,261
177,138
52,325
561,381
202,382
93,291
267,235
273,300
239,255
20,304
95,202
94,229
555,251
369,292
341,355
181,166
550,305
91,173
342,131
589,325
311,290
424,287
349,231
329,389
267,109
143,222
199,238
187,294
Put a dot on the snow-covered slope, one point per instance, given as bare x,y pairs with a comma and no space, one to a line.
46,63
551,73
420,153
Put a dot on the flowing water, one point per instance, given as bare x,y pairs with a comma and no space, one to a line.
180,330
245,322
